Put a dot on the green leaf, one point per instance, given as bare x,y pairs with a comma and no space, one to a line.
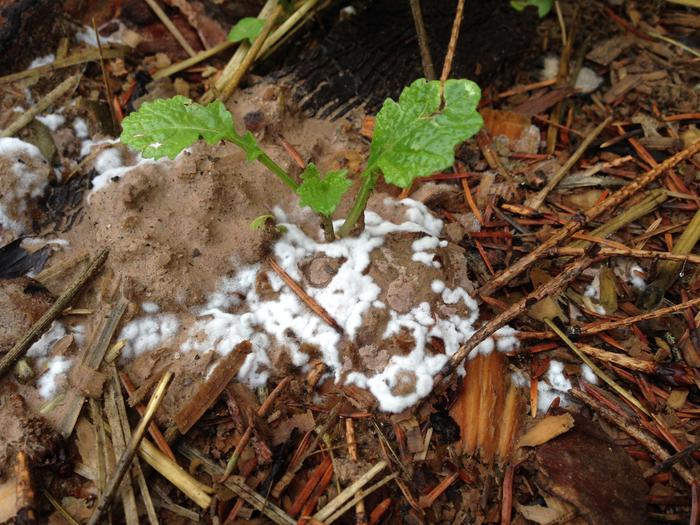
543,6
259,222
416,137
322,194
246,28
167,126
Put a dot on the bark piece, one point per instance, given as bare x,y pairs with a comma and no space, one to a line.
585,468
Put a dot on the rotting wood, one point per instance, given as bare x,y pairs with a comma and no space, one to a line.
126,429
209,392
91,357
126,458
632,429
38,328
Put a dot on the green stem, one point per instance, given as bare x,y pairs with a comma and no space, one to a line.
264,159
358,208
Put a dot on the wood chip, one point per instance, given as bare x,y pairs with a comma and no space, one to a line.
210,391
547,429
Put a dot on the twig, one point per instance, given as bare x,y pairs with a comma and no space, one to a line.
669,462
86,55
189,62
306,298
234,80
126,458
630,252
262,411
25,495
359,496
550,288
171,27
105,81
348,492
537,201
630,428
175,474
426,59
428,500
306,491
594,328
571,227
507,496
297,462
153,429
238,486
126,429
27,116
360,514
52,313
56,505
596,370
118,441
452,46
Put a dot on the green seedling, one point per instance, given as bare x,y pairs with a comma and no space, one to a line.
246,29
543,6
413,137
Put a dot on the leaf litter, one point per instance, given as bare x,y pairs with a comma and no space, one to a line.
199,283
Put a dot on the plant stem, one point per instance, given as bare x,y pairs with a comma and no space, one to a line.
358,208
327,225
264,159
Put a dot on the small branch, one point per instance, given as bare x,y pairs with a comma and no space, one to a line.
349,492
306,298
631,252
128,455
171,27
452,46
596,370
52,313
232,83
548,289
426,59
262,411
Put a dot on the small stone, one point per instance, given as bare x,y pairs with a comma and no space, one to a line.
254,121
322,269
400,295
